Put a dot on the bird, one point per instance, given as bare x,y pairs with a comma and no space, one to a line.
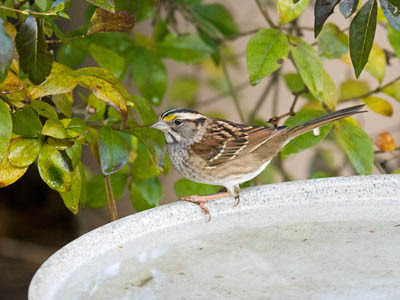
220,152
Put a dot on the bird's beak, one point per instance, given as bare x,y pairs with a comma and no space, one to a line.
159,126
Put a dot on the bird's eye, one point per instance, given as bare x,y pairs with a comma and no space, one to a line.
178,122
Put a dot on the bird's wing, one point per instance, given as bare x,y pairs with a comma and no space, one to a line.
226,140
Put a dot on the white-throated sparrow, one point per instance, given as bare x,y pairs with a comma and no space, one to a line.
221,152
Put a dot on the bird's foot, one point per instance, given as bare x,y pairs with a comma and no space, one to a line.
200,201
237,198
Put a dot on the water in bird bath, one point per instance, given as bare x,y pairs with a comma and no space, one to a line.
330,260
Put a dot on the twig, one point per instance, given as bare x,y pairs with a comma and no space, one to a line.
381,151
265,14
112,207
377,90
222,95
275,120
232,90
28,11
70,39
263,97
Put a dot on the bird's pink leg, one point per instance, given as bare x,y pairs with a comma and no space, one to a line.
200,201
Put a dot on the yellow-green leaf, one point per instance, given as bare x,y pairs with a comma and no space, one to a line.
105,21
59,81
5,128
376,63
54,169
356,144
55,129
9,173
63,103
311,70
379,105
288,10
393,90
105,86
44,109
26,122
352,88
13,87
24,151
72,197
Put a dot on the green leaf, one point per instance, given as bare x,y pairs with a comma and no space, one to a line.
59,144
288,10
104,21
391,11
356,144
151,158
352,88
5,128
322,10
145,194
24,151
184,187
379,105
74,153
75,127
393,90
294,82
376,63
60,5
314,76
332,42
44,109
58,82
187,49
32,50
72,197
108,5
113,149
105,86
145,110
394,39
55,129
185,90
319,174
26,122
9,173
348,7
54,169
149,74
160,30
63,103
217,17
362,32
6,51
96,193
308,139
265,50
108,59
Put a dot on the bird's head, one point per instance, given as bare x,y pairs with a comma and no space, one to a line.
181,125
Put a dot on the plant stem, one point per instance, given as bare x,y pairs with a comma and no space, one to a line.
222,95
377,90
263,97
29,12
232,90
266,15
112,207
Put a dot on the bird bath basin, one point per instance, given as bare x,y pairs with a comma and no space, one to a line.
335,238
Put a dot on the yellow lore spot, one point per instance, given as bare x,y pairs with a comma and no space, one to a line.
169,117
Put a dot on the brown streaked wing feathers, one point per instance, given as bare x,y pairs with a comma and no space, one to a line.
225,141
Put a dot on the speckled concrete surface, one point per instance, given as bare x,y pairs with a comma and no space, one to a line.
333,238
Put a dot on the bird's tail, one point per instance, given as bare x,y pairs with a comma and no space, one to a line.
323,120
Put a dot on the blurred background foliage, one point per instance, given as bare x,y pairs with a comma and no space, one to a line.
53,108
81,80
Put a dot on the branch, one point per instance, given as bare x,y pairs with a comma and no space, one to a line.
222,95
275,120
112,207
70,39
263,97
232,90
265,14
377,90
29,12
